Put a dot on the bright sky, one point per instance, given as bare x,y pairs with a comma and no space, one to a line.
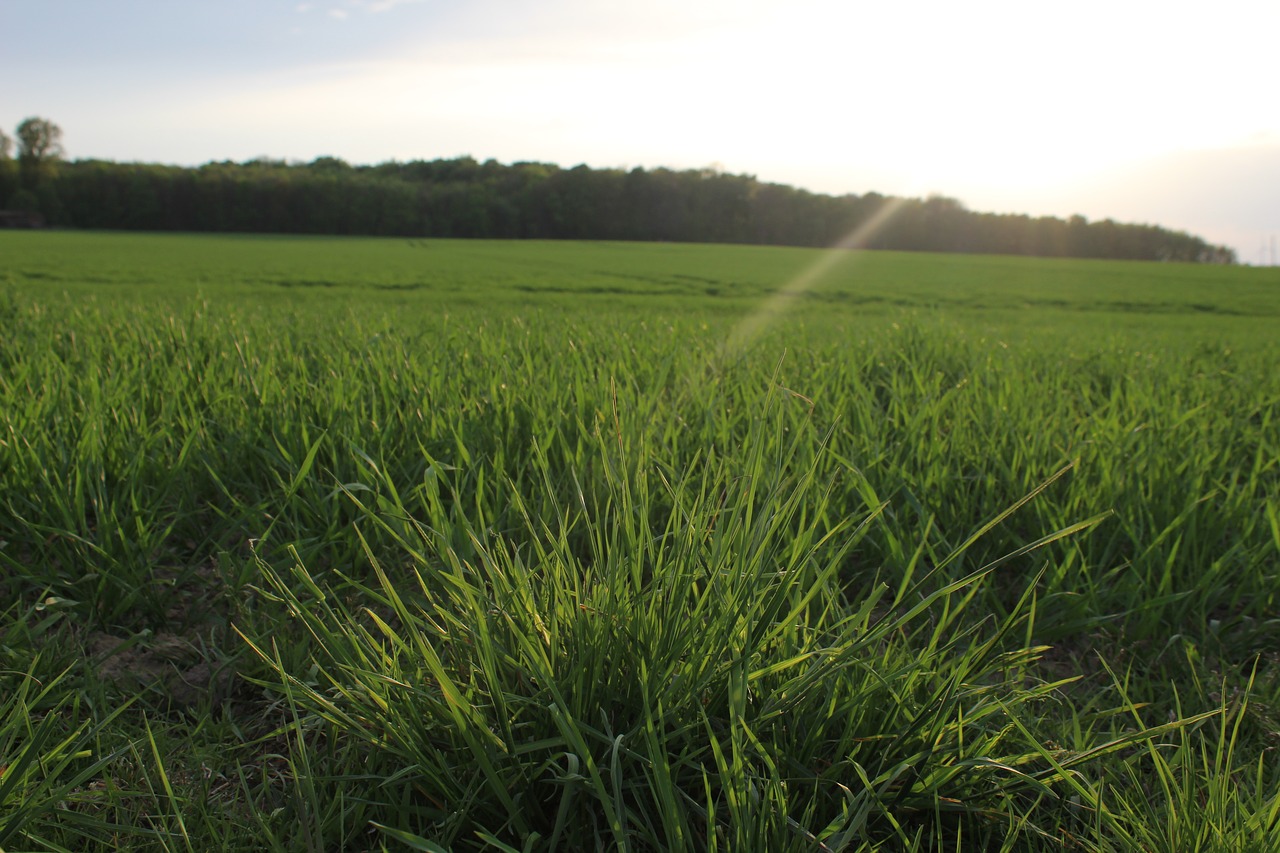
1165,111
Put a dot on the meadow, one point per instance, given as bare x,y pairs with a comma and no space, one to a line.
361,544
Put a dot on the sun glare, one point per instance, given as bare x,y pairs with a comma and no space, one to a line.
773,307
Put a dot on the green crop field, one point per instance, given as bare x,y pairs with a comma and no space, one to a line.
361,544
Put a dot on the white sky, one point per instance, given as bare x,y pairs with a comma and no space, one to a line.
1164,112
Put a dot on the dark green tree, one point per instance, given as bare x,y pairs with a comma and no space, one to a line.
8,169
39,150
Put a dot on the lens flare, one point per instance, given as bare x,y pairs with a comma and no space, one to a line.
776,303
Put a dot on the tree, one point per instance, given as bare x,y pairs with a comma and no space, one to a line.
39,149
329,165
8,171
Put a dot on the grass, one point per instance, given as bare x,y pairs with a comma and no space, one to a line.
360,544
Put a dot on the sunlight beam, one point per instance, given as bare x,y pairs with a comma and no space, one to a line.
774,305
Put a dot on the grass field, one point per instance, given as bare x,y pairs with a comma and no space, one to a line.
346,544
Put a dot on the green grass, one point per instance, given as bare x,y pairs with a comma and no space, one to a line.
347,544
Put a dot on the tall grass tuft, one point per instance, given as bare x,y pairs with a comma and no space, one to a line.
703,678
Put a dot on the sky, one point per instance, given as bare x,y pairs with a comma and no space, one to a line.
1161,112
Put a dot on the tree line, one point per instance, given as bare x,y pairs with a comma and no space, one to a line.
461,197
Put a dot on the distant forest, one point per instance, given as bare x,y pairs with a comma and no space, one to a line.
462,197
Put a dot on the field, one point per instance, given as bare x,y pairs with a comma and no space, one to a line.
362,544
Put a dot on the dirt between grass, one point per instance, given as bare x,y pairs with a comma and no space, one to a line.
185,665
168,664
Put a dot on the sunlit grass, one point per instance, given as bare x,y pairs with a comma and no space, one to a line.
528,557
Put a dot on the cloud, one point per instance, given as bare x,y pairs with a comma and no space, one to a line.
367,6
303,8
387,5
